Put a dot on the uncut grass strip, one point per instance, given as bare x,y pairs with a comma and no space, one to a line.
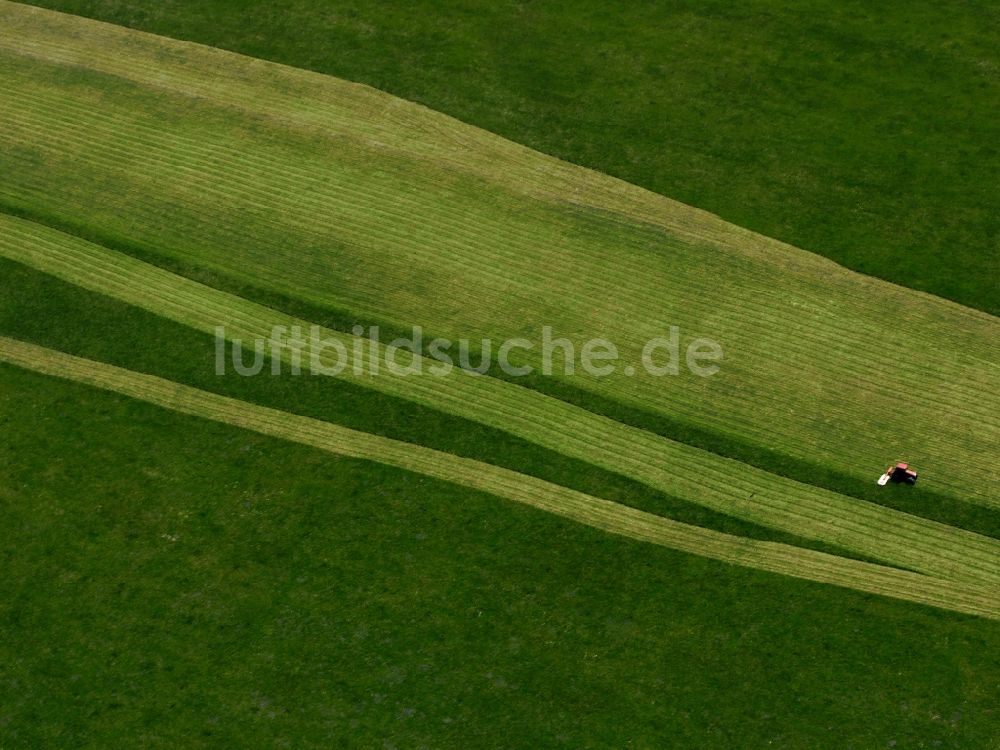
184,303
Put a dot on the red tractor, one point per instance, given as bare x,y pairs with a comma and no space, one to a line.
899,474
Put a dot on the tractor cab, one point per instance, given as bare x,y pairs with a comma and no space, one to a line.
899,474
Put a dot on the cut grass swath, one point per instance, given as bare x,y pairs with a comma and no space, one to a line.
688,473
341,195
965,597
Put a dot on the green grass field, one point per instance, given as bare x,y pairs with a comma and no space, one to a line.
317,584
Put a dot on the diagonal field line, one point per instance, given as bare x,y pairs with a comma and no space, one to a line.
603,514
722,484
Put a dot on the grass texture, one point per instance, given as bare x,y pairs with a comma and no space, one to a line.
382,561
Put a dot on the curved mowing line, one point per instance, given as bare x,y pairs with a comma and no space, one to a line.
722,484
602,514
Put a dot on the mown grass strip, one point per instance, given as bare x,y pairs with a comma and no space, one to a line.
968,598
815,353
691,474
